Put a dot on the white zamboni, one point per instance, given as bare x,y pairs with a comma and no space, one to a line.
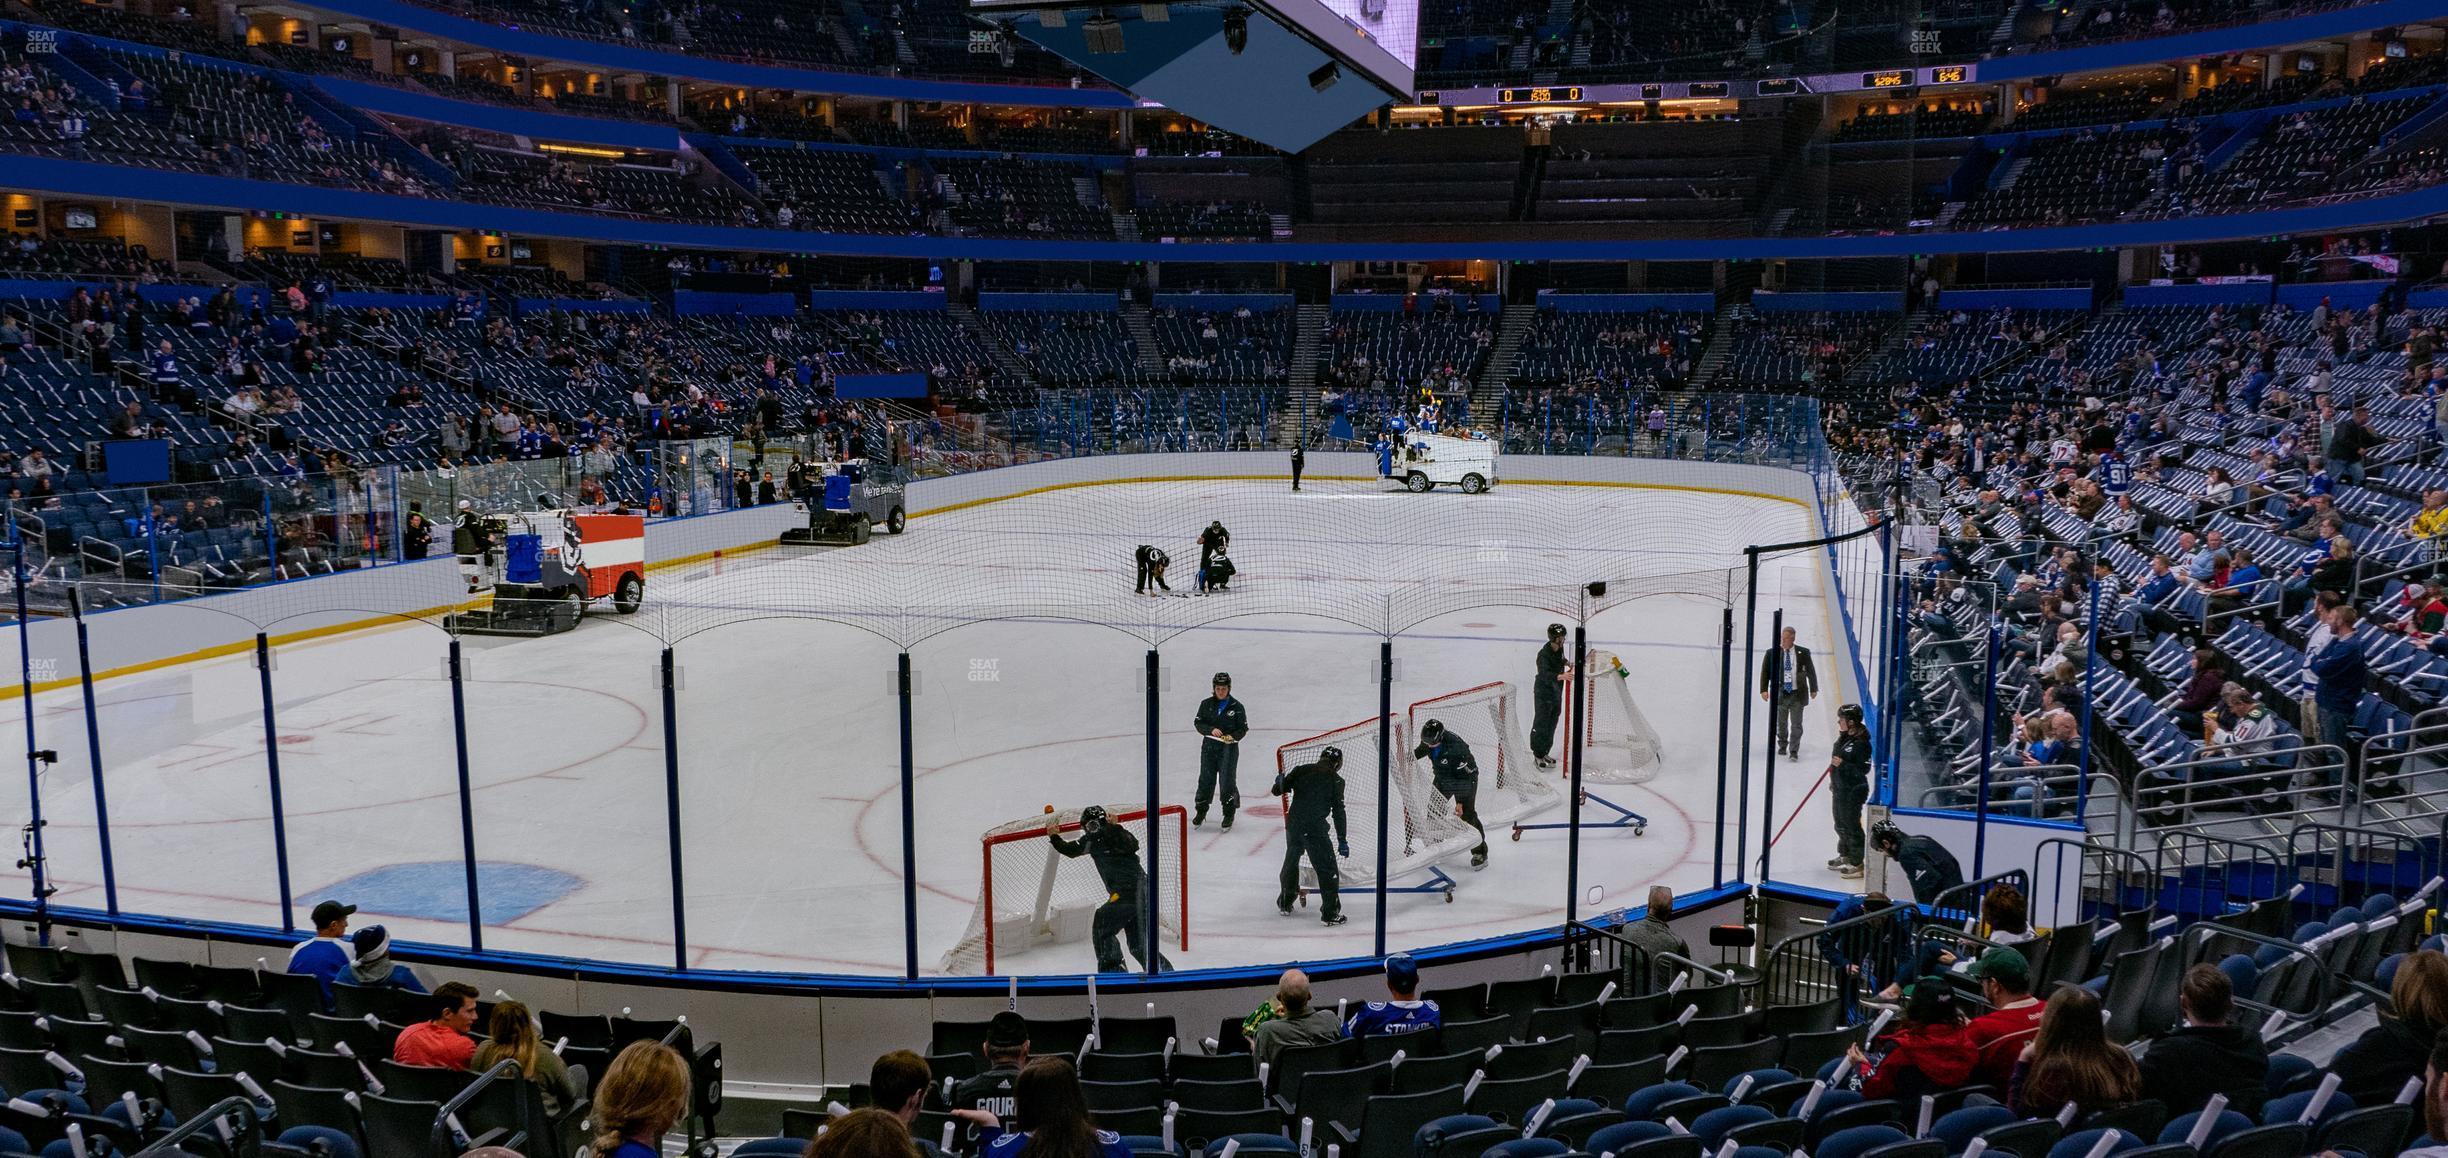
1421,461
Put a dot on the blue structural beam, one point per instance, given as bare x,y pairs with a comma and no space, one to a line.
517,122
57,177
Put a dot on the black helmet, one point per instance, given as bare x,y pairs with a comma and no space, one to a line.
1850,713
1223,678
1330,757
1555,631
1432,732
1885,833
1092,817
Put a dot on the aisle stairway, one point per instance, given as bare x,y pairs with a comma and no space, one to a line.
1300,411
1487,394
1004,358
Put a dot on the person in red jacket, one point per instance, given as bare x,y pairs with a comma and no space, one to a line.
1927,1054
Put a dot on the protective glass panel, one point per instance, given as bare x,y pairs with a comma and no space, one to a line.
370,773
183,754
1300,684
566,743
790,797
1022,722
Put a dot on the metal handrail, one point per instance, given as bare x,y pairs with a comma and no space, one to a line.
2179,798
249,1135
443,1126
2086,851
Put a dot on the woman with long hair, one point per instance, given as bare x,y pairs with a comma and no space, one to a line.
644,1093
1052,1113
512,1031
868,1133
2071,1060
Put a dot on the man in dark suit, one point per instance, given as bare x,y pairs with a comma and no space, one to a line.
1788,682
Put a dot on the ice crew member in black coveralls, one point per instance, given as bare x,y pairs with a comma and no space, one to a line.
1547,695
1152,564
1116,854
1317,796
1849,779
1222,721
1300,458
1455,772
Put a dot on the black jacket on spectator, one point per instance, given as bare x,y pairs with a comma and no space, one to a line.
2191,1063
2377,1065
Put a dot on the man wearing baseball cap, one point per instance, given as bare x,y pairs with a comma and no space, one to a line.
1405,1012
328,955
2014,1014
1007,1052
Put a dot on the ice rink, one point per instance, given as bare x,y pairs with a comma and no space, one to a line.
1030,652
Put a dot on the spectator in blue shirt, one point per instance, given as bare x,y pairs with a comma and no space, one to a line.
1405,1012
2343,672
327,957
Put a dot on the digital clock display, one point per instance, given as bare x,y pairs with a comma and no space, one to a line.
1896,78
1712,88
1950,74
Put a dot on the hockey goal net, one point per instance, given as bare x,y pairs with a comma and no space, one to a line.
1031,895
1619,745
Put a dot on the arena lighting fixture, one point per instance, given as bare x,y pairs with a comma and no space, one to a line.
1050,17
1155,13
1325,76
1102,34
1236,29
583,151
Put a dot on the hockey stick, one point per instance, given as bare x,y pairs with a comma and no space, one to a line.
1806,799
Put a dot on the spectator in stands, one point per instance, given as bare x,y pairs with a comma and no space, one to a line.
326,957
1926,1053
2316,641
1007,1051
12,335
2343,672
867,1133
2429,526
643,1095
2237,589
512,1036
2200,692
2071,1060
898,1084
1053,1119
2005,917
374,966
2349,441
1654,936
2376,1065
1289,1020
2206,1055
1403,1011
442,1040
1862,944
1999,1035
